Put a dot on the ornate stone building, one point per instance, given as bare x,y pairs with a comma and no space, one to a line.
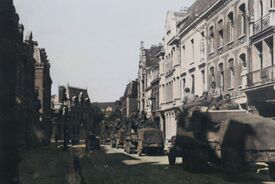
148,65
228,46
79,117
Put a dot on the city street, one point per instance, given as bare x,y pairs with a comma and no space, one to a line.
110,165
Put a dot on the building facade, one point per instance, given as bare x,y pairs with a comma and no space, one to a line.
43,84
79,118
147,73
129,100
261,71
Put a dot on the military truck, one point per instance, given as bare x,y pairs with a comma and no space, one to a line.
149,140
231,138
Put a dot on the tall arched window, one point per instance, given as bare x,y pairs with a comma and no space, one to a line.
211,39
220,30
230,17
261,9
231,73
212,74
243,18
221,75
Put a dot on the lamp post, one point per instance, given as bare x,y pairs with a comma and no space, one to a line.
65,112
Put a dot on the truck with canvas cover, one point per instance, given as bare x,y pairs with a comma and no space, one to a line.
231,138
150,140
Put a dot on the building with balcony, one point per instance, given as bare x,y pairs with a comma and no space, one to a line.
261,76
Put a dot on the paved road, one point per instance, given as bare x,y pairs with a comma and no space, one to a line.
110,165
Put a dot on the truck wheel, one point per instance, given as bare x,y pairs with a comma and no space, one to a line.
271,167
171,159
231,164
192,162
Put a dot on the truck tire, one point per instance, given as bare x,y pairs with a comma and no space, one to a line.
271,167
231,164
171,159
192,161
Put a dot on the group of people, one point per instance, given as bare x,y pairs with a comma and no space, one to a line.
213,99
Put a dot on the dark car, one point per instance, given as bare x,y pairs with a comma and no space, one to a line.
92,142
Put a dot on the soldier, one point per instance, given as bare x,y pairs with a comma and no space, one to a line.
188,97
228,104
215,92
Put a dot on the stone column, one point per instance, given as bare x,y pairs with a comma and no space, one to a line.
251,26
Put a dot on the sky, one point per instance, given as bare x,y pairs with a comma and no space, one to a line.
94,44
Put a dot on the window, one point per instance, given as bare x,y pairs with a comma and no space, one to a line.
212,74
203,76
193,84
221,75
261,9
231,73
193,49
243,19
211,39
220,26
243,60
230,26
259,48
202,48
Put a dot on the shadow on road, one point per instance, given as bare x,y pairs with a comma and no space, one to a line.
109,166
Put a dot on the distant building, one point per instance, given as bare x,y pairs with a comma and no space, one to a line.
147,73
43,84
129,99
80,119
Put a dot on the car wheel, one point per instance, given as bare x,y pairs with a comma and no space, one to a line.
171,159
272,170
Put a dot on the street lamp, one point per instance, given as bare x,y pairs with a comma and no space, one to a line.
65,113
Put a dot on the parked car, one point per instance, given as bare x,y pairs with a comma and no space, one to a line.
92,142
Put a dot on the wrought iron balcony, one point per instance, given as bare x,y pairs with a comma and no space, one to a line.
261,77
261,24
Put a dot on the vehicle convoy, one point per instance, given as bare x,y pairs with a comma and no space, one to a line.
231,138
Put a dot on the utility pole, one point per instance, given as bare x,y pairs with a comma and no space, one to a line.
65,111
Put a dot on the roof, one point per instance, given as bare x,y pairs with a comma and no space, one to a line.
195,10
75,91
131,90
151,53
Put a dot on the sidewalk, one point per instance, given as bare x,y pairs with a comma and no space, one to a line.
45,165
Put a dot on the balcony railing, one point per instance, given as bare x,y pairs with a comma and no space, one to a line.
261,77
261,24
